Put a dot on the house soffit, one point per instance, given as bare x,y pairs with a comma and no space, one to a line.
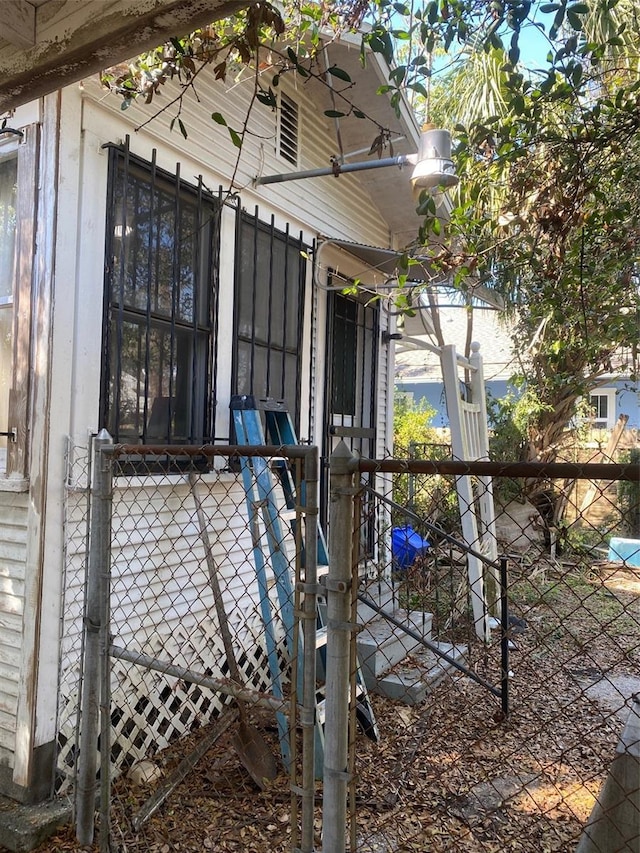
390,188
47,44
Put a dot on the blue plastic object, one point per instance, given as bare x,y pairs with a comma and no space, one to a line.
625,549
406,545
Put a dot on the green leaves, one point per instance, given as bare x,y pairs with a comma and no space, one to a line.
267,97
340,73
182,128
235,137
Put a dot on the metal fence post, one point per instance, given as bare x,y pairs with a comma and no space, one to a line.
335,779
309,624
98,565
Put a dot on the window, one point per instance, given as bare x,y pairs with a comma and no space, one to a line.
345,353
18,189
353,333
269,300
350,405
603,408
160,288
288,130
8,191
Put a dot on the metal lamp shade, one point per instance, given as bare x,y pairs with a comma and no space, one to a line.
434,167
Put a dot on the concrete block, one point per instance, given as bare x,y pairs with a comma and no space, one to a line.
412,683
382,645
23,828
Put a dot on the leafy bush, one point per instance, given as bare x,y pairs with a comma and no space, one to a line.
411,425
428,495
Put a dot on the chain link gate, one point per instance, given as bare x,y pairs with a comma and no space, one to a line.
171,525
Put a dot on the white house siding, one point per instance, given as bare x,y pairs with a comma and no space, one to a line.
329,206
161,605
322,207
13,546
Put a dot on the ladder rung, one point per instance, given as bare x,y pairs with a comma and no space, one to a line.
272,498
321,702
321,638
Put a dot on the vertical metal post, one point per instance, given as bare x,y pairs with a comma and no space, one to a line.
309,624
104,497
504,636
334,810
356,530
94,630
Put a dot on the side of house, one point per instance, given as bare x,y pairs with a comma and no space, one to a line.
143,298
616,396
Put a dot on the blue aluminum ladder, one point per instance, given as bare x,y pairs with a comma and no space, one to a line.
262,507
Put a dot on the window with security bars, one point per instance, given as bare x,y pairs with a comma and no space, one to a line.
352,335
160,294
351,401
288,130
269,300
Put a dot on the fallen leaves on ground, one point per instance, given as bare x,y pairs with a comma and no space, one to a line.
449,775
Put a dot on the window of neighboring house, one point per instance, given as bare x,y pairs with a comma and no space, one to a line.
603,407
288,130
18,187
269,300
160,293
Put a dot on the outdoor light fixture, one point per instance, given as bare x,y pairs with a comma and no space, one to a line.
433,166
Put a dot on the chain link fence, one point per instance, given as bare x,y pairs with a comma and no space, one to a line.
76,544
510,744
450,743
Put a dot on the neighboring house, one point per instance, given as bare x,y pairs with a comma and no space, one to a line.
141,298
418,371
616,396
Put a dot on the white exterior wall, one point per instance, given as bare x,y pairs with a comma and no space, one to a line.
69,352
329,206
13,546
23,498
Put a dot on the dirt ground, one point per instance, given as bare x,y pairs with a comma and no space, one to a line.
449,775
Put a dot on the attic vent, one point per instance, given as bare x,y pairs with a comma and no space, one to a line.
288,136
